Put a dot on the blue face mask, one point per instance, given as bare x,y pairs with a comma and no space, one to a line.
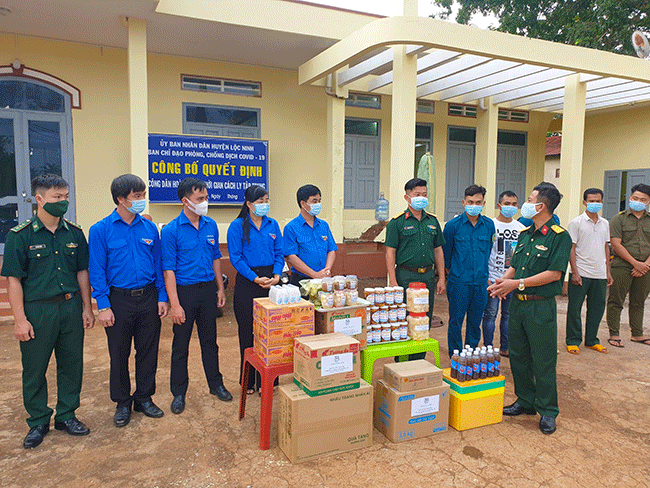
137,206
637,206
594,207
529,210
473,210
314,209
261,209
508,211
419,203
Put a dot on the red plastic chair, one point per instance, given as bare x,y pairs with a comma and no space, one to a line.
269,374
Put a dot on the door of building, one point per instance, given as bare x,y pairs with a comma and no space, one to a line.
618,188
362,162
31,143
460,174
511,171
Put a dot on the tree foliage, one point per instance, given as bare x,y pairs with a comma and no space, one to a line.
598,24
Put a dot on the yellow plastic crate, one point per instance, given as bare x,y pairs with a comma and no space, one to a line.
476,409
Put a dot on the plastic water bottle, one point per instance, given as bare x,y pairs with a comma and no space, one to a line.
462,367
476,369
484,364
381,208
490,362
497,362
454,364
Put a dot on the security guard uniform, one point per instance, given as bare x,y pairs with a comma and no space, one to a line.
533,317
47,264
634,234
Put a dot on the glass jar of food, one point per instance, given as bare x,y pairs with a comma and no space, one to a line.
368,321
351,282
383,314
398,291
401,312
339,282
389,295
369,295
351,297
339,299
385,332
326,300
379,296
418,326
327,284
369,334
392,313
417,298
403,330
394,331
376,334
374,315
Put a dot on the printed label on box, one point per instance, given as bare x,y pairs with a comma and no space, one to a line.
425,405
349,326
337,363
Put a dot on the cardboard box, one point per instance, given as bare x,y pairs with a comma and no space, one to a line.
272,355
278,336
313,427
412,375
405,416
350,321
271,315
326,363
475,403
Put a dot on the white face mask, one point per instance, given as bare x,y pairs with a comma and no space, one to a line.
198,208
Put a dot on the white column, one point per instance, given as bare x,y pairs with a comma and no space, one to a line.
573,132
485,162
336,155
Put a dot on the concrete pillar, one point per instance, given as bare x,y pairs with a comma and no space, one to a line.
485,160
402,134
408,8
138,97
573,131
336,154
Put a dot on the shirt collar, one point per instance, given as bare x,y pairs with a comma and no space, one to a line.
408,214
265,219
586,217
38,225
465,219
185,220
114,217
628,211
302,221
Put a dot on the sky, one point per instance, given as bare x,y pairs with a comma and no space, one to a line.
390,8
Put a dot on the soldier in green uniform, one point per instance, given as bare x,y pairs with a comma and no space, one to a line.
536,275
414,246
46,264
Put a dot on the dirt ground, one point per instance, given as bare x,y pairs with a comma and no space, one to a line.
603,436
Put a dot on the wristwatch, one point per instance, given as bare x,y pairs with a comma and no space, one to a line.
521,287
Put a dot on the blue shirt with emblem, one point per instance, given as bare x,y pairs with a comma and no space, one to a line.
310,244
467,249
264,248
190,252
124,256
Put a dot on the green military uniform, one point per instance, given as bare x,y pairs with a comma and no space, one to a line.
532,331
414,242
635,237
47,264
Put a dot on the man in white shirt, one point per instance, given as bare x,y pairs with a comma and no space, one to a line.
590,273
505,240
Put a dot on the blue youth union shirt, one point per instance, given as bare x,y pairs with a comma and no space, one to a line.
190,252
467,249
124,256
264,248
311,245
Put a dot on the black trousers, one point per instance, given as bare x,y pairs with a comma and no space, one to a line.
199,301
137,321
245,291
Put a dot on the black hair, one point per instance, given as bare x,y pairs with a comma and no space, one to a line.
47,181
123,185
252,193
305,192
413,183
472,190
592,191
642,188
507,193
188,185
549,195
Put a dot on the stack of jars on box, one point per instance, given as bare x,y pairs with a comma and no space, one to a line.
417,305
386,315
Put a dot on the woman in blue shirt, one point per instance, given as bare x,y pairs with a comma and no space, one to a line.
255,248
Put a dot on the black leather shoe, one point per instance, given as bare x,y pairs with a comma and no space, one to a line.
72,426
221,393
35,436
547,425
516,409
178,404
149,409
122,416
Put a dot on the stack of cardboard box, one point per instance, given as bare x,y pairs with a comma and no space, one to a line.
411,401
350,320
328,409
276,326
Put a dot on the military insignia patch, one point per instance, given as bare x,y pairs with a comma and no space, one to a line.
72,245
37,246
539,247
557,229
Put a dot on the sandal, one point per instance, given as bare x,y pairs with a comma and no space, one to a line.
573,349
615,342
505,354
598,348
250,391
642,341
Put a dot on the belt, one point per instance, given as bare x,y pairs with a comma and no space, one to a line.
416,270
525,298
132,292
201,284
60,298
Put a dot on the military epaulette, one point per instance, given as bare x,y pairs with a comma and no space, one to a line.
22,226
398,215
73,224
621,213
431,214
557,229
525,229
